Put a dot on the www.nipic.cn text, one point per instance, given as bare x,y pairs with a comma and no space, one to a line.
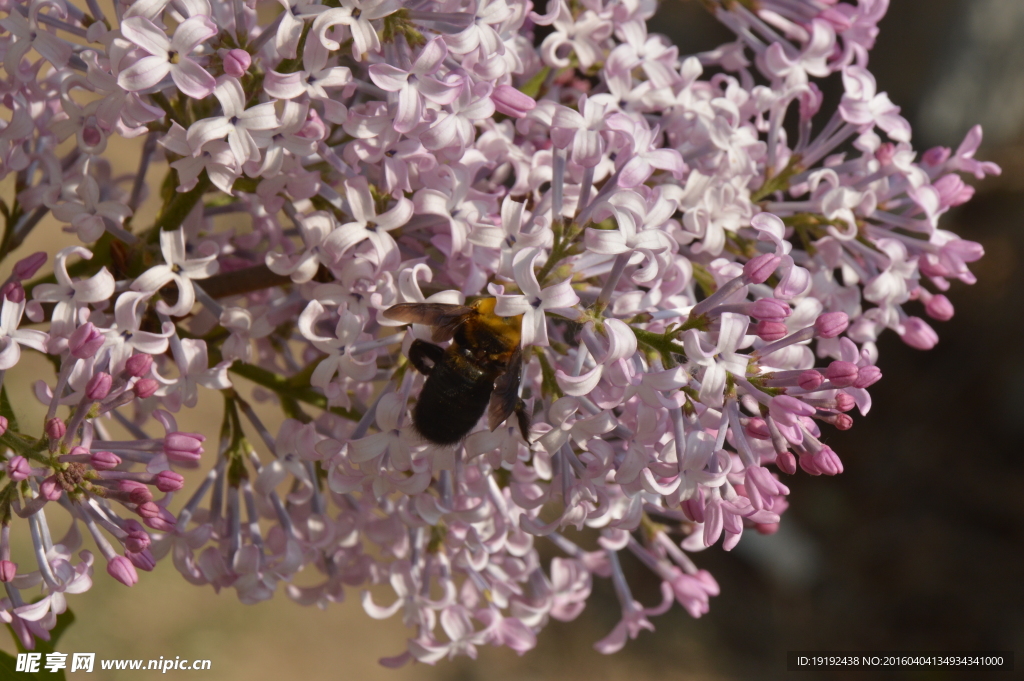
32,663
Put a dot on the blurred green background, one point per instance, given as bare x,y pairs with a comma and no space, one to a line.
917,546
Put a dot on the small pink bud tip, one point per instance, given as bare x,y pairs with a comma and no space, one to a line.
236,63
935,156
98,386
766,528
770,332
143,560
827,461
917,334
757,270
164,522
758,429
845,401
184,447
8,570
842,374
885,153
50,489
27,267
843,421
938,307
314,128
146,387
786,462
138,365
831,324
169,481
18,468
770,310
867,376
85,341
121,569
3,425
138,493
512,102
55,428
810,380
148,510
105,461
694,510
13,292
137,540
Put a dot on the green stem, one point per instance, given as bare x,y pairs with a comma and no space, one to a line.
663,343
179,207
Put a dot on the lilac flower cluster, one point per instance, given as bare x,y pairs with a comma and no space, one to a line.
703,261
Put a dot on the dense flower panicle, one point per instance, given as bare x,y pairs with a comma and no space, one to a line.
701,283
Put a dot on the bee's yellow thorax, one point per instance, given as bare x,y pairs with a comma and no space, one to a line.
508,329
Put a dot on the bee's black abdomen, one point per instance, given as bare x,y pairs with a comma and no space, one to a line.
452,401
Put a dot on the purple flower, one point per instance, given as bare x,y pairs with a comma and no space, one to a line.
168,56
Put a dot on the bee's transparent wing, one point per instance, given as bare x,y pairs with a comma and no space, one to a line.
505,397
443,317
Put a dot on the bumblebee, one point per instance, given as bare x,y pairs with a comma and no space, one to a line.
479,371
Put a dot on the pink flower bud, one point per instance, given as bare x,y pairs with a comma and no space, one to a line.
694,509
935,156
939,307
98,386
27,267
143,560
831,324
885,153
810,102
138,365
757,270
121,569
786,462
13,291
236,63
169,481
50,489
137,540
8,570
3,425
917,334
771,331
183,447
766,528
164,520
512,102
843,421
827,461
18,468
770,310
314,128
845,401
146,387
867,376
85,341
105,461
55,428
758,429
810,380
149,510
138,493
842,374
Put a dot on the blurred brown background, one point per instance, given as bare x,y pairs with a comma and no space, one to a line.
917,546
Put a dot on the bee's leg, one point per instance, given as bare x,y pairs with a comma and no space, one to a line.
420,352
524,421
